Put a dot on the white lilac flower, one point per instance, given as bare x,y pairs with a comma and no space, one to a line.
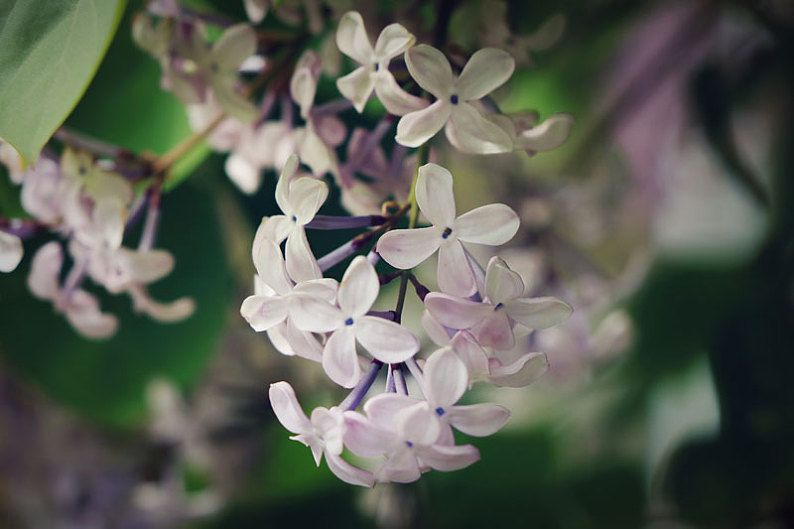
43,191
256,9
299,199
491,321
374,74
409,434
80,308
323,433
268,309
485,365
469,131
12,161
349,324
528,136
10,251
492,224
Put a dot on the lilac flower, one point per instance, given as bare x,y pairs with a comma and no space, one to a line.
493,224
10,251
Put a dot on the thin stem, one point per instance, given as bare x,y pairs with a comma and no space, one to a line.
353,399
327,222
416,371
399,375
163,163
152,217
81,141
391,386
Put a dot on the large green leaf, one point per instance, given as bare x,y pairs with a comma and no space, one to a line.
49,51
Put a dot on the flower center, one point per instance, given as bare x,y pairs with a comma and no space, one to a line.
454,99
377,66
349,321
409,444
446,233
440,411
294,218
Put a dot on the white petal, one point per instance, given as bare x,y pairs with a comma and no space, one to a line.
347,472
340,360
431,70
275,228
405,249
418,424
454,312
174,311
434,195
306,195
487,70
301,264
501,283
263,312
283,184
447,458
435,331
270,266
393,40
233,103
396,100
314,315
524,371
472,354
495,330
357,87
386,340
288,411
478,419
455,275
446,378
365,438
10,251
45,270
401,467
359,287
245,174
324,288
256,10
538,313
234,46
290,341
492,224
416,128
303,84
548,135
382,409
85,316
470,132
352,40
147,266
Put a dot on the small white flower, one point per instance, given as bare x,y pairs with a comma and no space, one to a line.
374,74
323,433
493,224
349,324
10,251
486,70
528,136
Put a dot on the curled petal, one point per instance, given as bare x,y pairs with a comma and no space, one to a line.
283,184
454,312
495,330
501,283
455,275
352,40
392,41
447,458
306,195
347,472
435,331
263,312
270,266
234,46
416,128
524,371
301,264
434,195
288,411
243,173
538,313
446,378
478,419
385,340
365,438
405,249
401,467
548,135
487,70
84,315
431,70
396,100
472,354
10,251
357,87
340,360
382,409
290,341
470,132
492,224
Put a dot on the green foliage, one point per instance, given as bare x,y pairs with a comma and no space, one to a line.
49,51
105,380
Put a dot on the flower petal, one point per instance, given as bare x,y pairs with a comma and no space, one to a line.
454,312
290,341
405,249
418,424
434,330
313,314
306,195
416,128
270,266
234,46
85,316
472,354
10,251
470,132
501,283
364,437
393,40
359,288
487,70
357,87
382,409
401,467
396,100
446,378
524,371
434,195
538,313
340,360
245,175
347,472
45,270
495,330
478,419
548,135
455,275
431,70
386,340
492,224
301,264
447,458
352,40
263,312
283,184
288,411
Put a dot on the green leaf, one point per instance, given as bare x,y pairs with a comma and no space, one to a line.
49,51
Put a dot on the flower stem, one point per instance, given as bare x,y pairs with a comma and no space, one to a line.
353,399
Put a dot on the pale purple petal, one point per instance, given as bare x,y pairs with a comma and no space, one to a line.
431,70
478,419
401,467
283,184
447,458
288,411
446,378
324,288
365,438
85,316
472,354
396,100
44,271
270,266
492,224
487,70
386,340
495,330
10,251
470,132
434,195
347,472
262,312
301,264
455,312
524,371
434,330
418,424
382,409
501,283
313,314
290,341
245,174
455,275
340,360
357,87
548,135
352,40
359,288
405,249
416,128
538,313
